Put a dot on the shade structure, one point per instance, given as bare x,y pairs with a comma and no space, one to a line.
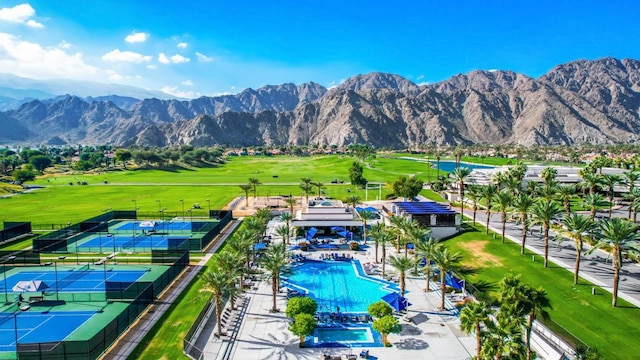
147,225
396,301
259,246
419,318
30,286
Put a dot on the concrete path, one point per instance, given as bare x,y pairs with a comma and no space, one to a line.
127,342
595,268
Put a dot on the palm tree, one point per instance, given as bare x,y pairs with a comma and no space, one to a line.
425,249
474,194
532,188
254,182
575,226
498,178
590,179
306,189
593,202
366,215
352,200
402,265
548,175
522,205
376,234
320,186
402,225
216,282
415,235
630,178
633,198
246,188
291,202
548,191
274,260
565,192
503,201
536,302
227,261
383,238
459,175
609,181
543,212
488,194
445,261
620,237
472,318
284,231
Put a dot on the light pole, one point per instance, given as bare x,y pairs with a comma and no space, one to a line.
159,205
110,236
208,208
182,201
4,273
135,205
190,211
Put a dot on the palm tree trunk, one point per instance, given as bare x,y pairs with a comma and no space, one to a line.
616,278
219,313
504,222
528,334
523,217
402,284
546,244
475,210
488,217
442,288
274,290
567,208
478,341
376,258
461,202
577,267
610,204
384,259
428,274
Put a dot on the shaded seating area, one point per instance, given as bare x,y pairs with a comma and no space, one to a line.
336,257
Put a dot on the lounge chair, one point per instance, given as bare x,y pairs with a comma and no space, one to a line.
364,354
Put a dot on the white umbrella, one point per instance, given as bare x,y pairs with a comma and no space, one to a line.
30,286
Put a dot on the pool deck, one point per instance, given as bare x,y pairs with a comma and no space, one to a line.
264,335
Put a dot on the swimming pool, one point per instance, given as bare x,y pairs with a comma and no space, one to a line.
352,335
336,284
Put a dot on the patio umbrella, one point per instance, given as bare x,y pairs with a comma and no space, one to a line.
30,286
397,302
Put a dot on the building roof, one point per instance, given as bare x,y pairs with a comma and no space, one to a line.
423,208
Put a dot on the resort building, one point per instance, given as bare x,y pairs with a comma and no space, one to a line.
324,214
439,218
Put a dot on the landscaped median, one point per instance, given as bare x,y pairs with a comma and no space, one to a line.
613,331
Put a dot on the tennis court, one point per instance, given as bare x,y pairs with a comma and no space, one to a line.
38,327
83,279
100,242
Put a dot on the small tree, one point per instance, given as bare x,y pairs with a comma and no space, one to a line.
379,309
355,175
303,326
387,325
23,175
407,187
301,305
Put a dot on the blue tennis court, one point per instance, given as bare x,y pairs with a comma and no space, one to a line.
35,327
72,280
158,226
108,242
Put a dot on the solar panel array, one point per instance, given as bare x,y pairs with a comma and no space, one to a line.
424,208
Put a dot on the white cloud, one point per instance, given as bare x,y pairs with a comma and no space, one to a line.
187,83
175,59
420,77
151,66
492,70
64,45
182,45
173,90
424,83
203,58
114,76
33,61
125,56
163,59
20,14
136,37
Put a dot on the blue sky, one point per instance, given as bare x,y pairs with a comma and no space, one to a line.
191,48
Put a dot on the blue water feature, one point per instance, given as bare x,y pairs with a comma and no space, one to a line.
449,166
335,284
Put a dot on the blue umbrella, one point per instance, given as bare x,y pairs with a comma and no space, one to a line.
397,302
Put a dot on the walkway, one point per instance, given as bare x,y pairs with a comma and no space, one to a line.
128,341
595,268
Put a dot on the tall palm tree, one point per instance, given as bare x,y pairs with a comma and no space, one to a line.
415,235
543,212
536,303
459,175
425,249
402,265
376,234
246,188
283,231
353,200
565,192
320,186
575,227
630,178
503,201
445,261
522,205
590,179
548,175
306,189
474,194
532,188
548,191
620,237
227,261
254,182
488,194
609,181
473,318
402,225
366,215
286,217
216,282
593,202
291,202
512,185
274,260
633,198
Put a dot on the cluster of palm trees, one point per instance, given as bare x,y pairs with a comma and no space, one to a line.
252,185
307,185
436,256
505,332
548,205
230,267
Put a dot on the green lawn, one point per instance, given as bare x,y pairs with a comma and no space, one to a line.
591,318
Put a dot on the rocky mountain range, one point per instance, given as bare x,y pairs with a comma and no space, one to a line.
579,102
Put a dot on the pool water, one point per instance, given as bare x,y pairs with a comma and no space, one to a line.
344,335
331,335
335,284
